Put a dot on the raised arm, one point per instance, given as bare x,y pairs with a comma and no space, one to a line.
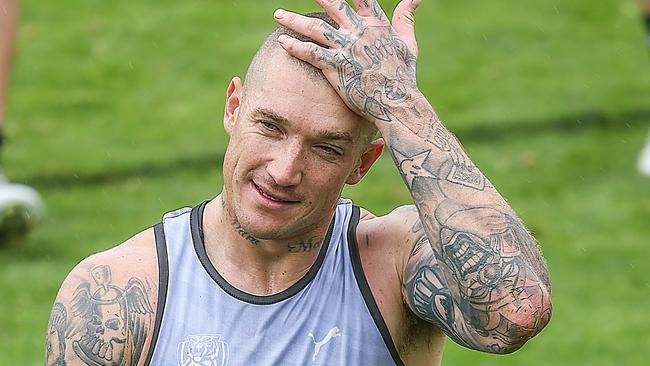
474,270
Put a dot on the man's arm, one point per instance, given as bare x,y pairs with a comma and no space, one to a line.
104,311
480,286
474,270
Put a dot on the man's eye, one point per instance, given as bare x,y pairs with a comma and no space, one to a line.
329,150
269,126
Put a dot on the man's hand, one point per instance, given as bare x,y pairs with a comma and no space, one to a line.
370,62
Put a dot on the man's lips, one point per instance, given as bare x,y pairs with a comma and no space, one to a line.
274,196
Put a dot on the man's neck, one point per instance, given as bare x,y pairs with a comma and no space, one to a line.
255,266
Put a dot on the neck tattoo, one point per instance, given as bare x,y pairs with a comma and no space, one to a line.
305,245
243,233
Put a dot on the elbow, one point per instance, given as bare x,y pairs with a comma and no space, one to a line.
524,327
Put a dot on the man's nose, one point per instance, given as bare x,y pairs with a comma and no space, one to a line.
287,166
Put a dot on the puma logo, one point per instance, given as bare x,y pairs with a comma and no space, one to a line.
334,332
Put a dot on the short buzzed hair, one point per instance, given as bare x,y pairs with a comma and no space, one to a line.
271,45
257,68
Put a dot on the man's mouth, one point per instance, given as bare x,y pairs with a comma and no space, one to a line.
273,196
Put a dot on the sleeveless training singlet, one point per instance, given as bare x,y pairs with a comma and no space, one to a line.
329,317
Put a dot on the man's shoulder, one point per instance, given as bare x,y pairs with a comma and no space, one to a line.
106,302
385,239
134,258
394,223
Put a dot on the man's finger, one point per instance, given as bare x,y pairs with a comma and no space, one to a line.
404,23
369,8
314,28
363,7
342,13
320,57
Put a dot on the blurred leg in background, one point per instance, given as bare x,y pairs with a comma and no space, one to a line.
8,26
20,206
646,18
644,156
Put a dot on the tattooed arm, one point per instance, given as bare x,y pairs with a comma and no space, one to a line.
104,312
474,270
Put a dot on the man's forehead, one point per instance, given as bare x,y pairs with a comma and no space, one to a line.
282,89
279,70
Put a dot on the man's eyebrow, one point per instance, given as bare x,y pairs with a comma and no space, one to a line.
269,114
326,135
330,135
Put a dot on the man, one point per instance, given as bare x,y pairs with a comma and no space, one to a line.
277,270
20,206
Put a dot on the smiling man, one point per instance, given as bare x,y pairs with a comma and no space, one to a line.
278,269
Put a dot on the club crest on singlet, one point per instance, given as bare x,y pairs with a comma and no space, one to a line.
203,350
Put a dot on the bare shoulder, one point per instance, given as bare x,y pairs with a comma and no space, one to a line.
104,311
396,220
389,232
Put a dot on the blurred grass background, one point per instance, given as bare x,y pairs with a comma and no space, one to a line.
115,116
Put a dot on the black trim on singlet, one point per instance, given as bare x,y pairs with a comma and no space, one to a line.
362,282
163,282
196,225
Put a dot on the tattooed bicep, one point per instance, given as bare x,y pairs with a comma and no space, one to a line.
97,320
428,292
424,288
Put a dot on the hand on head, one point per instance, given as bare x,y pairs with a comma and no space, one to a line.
369,61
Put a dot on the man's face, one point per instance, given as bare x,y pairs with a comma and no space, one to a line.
293,145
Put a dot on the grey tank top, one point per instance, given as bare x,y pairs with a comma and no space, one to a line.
329,317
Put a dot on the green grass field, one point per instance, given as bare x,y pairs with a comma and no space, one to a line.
115,116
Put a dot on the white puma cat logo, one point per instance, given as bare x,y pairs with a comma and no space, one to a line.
334,332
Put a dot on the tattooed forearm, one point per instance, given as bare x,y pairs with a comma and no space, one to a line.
447,155
103,324
481,278
411,167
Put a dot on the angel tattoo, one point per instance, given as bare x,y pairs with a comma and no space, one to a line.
108,327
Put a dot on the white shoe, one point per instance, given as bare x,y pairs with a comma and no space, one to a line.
644,160
21,209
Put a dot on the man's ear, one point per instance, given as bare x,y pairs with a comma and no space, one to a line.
365,162
233,102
